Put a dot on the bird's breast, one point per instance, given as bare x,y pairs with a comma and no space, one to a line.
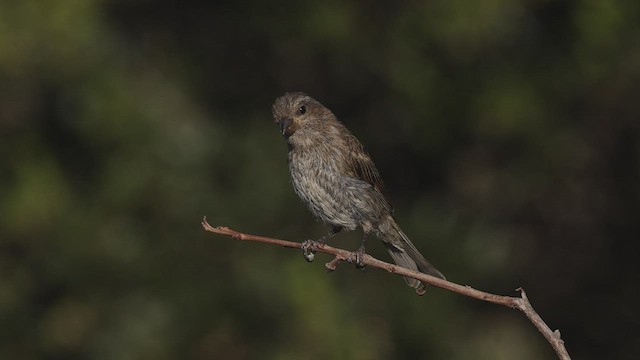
317,182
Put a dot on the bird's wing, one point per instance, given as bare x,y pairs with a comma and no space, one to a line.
362,168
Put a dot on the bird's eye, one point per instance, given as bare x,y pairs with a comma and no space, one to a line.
302,110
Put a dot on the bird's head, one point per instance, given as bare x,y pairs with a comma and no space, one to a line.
297,111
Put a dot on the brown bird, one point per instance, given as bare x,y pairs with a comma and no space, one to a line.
335,177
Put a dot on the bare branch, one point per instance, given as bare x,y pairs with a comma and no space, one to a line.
521,303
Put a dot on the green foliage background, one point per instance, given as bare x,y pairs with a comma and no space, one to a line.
506,131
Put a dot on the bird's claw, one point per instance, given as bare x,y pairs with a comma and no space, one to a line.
360,261
307,250
357,258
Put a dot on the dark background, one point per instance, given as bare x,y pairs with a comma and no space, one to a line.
506,131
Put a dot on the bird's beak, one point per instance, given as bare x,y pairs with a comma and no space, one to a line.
284,124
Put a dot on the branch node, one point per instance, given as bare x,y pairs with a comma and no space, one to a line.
556,333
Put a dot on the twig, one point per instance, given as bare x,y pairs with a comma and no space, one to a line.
521,303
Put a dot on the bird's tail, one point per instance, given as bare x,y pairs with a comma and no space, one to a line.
405,254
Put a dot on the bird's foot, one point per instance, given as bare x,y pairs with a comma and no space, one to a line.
357,257
307,250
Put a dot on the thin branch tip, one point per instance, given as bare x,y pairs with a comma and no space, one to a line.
523,294
206,224
331,265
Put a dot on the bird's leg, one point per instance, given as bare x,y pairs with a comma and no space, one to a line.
332,232
359,254
307,246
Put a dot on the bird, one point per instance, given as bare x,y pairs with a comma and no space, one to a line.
336,178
